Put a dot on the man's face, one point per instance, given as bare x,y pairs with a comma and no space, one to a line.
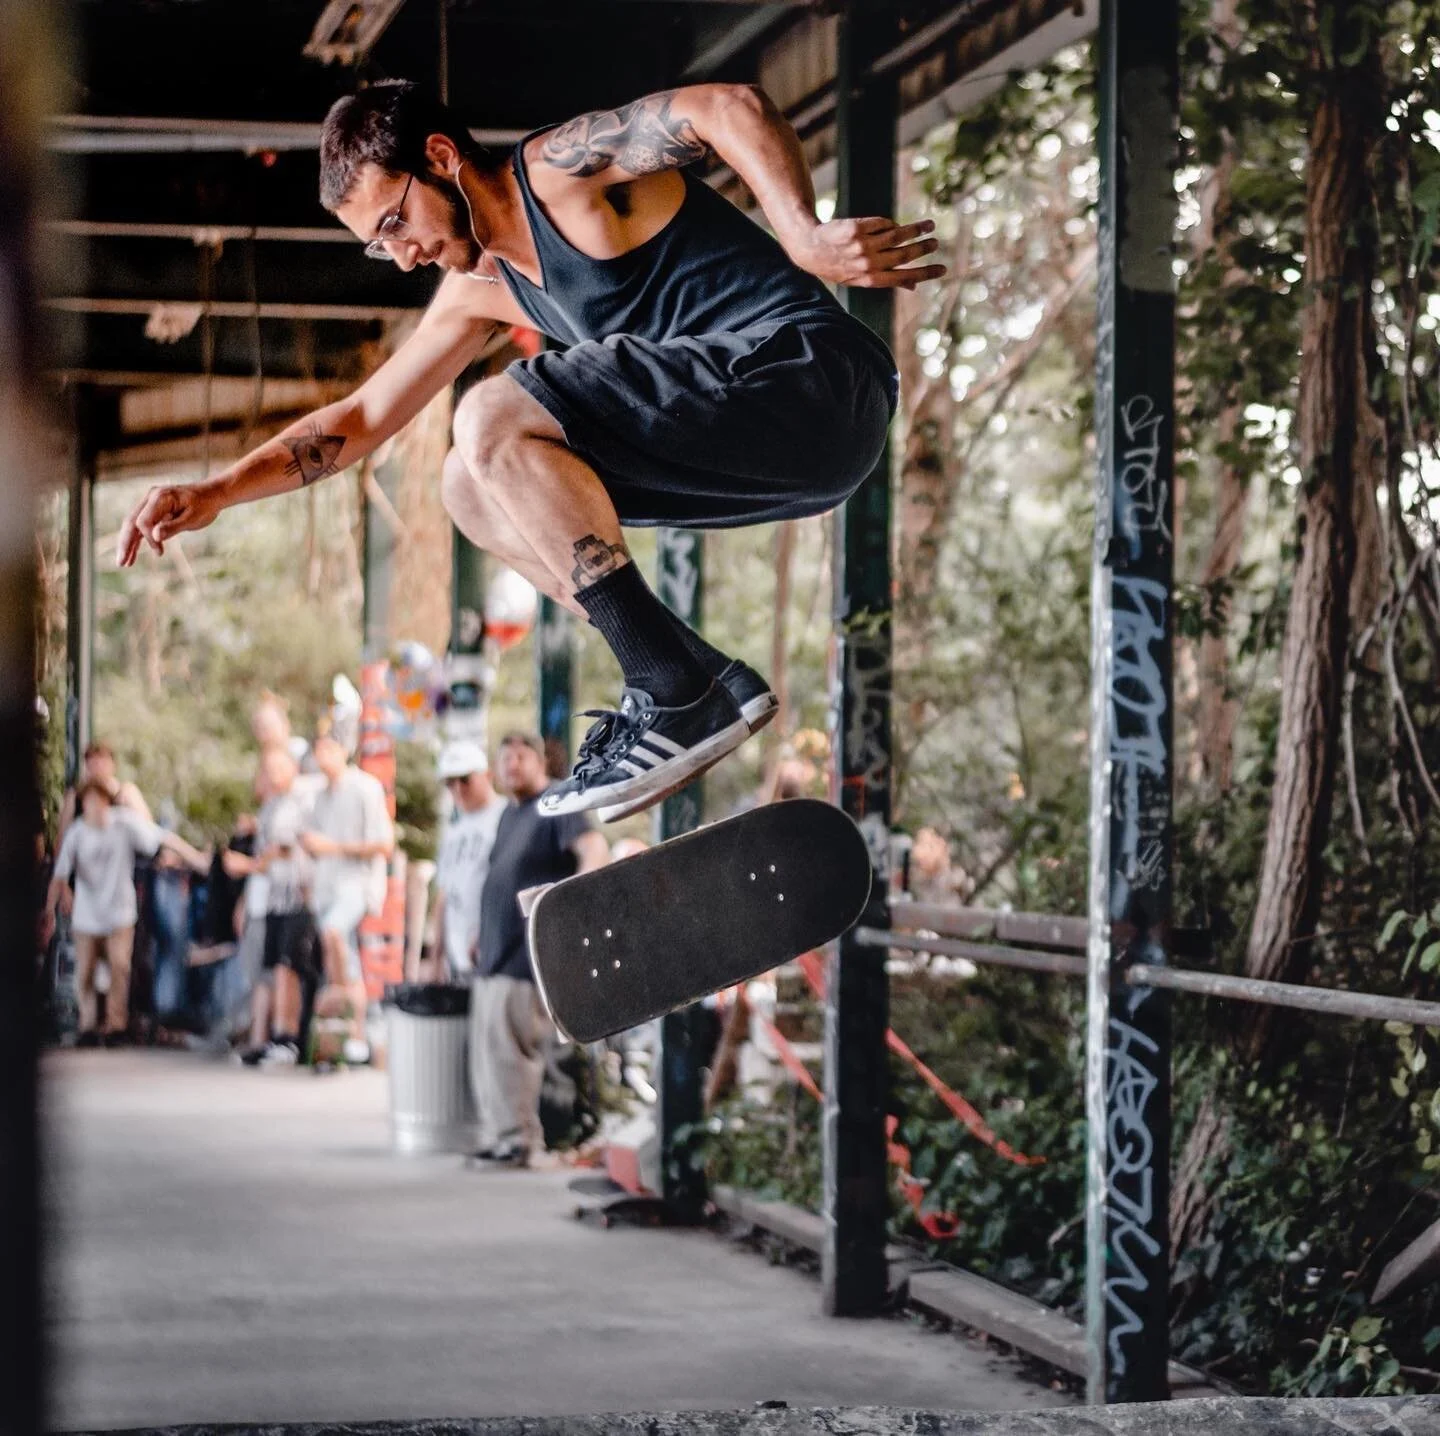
277,770
102,766
95,809
522,770
426,213
471,792
329,757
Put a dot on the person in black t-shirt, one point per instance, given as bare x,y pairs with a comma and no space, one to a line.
508,1026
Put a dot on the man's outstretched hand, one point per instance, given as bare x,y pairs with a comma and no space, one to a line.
872,253
163,513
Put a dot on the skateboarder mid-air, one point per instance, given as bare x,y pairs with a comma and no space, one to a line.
710,378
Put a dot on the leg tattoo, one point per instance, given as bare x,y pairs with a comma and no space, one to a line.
594,558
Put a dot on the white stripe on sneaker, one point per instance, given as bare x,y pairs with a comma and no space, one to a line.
645,758
666,747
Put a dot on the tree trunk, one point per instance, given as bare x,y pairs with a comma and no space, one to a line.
1334,428
1335,433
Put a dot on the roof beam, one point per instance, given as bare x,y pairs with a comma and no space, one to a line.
150,134
201,233
82,304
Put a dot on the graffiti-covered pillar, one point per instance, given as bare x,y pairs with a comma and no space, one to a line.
855,1196
680,585
1127,1088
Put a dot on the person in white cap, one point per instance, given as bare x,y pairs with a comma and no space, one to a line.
464,857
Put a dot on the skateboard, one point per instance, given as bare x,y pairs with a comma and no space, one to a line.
626,943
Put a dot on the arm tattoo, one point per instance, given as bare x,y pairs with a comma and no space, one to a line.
642,137
314,455
594,558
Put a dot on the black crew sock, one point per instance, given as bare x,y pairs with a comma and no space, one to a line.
638,627
710,659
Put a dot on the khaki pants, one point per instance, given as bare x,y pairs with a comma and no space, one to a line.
114,947
508,1032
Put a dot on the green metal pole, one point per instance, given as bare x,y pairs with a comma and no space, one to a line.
1131,749
855,1193
680,558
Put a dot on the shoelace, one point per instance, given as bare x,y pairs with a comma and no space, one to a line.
610,727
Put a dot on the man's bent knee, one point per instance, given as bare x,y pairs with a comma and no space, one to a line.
492,417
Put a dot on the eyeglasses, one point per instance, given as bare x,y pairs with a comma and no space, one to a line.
393,228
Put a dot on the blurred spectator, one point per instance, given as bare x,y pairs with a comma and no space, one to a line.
169,891
97,860
508,1024
99,765
288,960
932,874
351,837
464,858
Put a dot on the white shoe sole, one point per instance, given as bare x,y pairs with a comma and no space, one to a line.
756,713
662,779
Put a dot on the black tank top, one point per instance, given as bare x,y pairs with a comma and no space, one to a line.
710,270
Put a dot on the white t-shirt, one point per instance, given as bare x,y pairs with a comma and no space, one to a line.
101,862
292,806
460,868
353,810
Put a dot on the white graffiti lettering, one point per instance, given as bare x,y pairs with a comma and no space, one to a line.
678,555
1138,703
1143,494
1131,1082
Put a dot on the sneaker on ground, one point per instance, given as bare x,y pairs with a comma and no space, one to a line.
510,1157
643,750
250,1056
757,705
280,1054
356,1051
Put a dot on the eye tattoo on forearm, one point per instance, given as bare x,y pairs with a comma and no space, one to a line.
642,138
314,455
594,558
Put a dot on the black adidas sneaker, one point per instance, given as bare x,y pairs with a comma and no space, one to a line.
757,705
642,751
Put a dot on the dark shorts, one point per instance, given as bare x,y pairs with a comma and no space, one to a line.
719,430
290,942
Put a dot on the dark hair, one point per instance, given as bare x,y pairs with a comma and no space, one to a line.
387,125
531,741
98,749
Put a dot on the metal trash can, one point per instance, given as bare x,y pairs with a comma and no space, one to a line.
431,1108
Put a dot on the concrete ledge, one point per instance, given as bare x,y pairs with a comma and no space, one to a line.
1225,1416
956,1295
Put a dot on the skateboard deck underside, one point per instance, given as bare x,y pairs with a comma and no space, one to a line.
619,946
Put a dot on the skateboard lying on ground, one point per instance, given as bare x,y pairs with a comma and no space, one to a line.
618,946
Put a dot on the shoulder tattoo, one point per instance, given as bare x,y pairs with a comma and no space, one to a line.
641,138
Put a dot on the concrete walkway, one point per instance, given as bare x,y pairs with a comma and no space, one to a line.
241,1246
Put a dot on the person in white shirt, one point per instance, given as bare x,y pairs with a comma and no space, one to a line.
97,859
464,857
351,838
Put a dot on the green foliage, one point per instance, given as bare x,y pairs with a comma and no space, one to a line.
417,806
770,1148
